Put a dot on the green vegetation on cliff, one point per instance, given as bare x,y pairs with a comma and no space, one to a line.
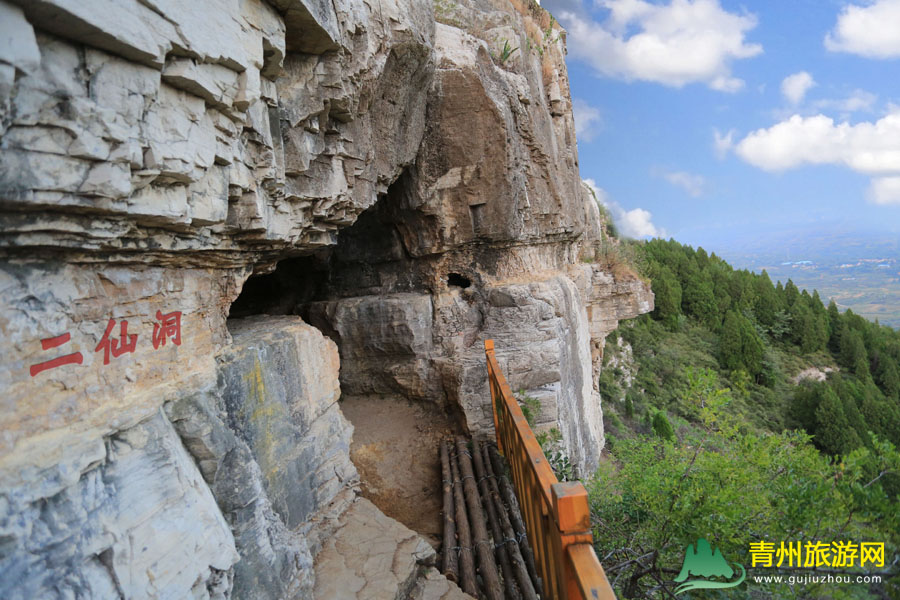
755,413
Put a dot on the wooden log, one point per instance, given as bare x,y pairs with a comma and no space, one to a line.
517,561
509,582
484,550
451,556
468,583
515,516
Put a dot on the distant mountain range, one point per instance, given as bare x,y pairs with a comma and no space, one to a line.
859,269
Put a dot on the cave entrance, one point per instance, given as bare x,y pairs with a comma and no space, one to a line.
374,301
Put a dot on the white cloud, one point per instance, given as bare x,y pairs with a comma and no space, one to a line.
866,147
588,121
858,100
794,87
635,223
870,30
722,143
871,148
682,42
885,190
689,182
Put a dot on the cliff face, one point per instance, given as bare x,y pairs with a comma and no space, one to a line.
418,192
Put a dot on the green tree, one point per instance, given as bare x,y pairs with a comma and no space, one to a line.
853,352
791,293
834,327
661,426
802,410
730,343
809,329
752,348
629,405
699,301
887,377
767,301
740,347
833,432
667,292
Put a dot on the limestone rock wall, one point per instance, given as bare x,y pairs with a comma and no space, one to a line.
154,155
139,522
195,128
274,448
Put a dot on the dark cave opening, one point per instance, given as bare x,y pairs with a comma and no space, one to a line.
294,282
457,280
367,254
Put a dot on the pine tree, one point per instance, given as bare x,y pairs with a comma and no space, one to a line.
833,433
662,427
730,342
819,333
887,377
801,324
668,295
851,411
699,301
791,293
802,409
752,348
834,327
808,328
629,406
853,352
767,300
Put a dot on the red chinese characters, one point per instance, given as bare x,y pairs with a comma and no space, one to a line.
69,359
116,347
114,343
168,326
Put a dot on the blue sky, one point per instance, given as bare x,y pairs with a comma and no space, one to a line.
711,121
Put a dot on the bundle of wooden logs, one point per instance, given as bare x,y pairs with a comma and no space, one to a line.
483,527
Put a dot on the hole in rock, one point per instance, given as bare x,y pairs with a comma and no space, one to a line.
457,280
294,281
370,295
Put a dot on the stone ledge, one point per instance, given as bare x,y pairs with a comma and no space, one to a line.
370,556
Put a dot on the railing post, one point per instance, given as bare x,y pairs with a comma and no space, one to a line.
492,380
573,517
591,578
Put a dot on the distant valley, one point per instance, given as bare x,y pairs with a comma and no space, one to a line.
859,269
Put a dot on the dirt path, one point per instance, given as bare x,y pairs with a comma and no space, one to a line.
395,448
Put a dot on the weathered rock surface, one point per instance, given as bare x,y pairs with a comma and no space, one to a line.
419,195
163,127
139,522
369,556
273,446
434,586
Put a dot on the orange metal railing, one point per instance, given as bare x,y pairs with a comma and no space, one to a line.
556,514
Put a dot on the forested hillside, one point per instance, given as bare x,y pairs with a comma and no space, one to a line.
744,411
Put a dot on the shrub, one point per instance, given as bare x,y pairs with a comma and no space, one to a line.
661,426
607,386
531,407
